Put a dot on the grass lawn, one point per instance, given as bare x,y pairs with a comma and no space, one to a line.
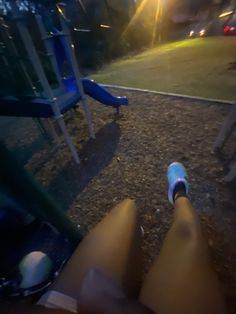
197,67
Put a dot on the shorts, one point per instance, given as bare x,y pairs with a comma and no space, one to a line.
56,300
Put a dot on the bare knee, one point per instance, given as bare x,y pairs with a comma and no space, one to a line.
127,206
128,202
186,230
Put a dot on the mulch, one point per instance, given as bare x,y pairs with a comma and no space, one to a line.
129,158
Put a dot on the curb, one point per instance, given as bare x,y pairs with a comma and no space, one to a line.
221,101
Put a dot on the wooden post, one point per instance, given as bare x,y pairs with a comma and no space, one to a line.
224,134
226,129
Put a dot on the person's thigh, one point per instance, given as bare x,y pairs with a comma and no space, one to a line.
182,279
113,247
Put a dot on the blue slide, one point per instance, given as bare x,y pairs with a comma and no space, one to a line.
100,94
91,88
97,92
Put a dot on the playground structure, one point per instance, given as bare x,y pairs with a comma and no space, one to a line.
30,223
40,78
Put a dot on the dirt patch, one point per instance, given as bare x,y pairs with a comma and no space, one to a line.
129,158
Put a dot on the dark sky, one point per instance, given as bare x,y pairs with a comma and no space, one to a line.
193,4
182,10
189,4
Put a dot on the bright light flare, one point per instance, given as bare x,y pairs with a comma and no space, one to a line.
157,7
59,9
105,26
226,14
158,15
191,34
202,33
136,16
82,30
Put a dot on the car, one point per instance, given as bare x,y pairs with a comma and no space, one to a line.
197,33
199,29
230,29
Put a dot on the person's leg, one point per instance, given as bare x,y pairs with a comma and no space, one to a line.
113,247
182,280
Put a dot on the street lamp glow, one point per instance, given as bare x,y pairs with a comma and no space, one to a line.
226,14
191,34
105,26
82,30
158,16
138,12
59,9
202,33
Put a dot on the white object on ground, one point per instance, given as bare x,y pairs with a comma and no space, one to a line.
35,268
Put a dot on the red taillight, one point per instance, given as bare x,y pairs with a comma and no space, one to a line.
226,29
